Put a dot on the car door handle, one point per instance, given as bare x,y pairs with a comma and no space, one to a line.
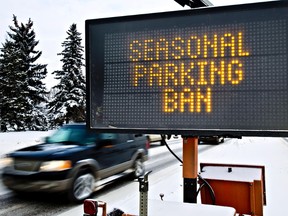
129,141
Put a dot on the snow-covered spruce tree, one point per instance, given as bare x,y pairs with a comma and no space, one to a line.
69,101
13,102
10,104
22,89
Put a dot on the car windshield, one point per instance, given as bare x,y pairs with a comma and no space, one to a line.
72,135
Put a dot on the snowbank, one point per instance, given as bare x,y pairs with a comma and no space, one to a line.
10,141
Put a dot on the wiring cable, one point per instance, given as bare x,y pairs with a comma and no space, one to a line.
211,191
170,150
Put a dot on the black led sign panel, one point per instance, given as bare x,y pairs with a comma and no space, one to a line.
209,71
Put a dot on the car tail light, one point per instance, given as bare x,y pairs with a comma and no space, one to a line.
147,144
90,207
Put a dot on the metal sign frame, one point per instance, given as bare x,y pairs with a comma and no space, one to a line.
249,100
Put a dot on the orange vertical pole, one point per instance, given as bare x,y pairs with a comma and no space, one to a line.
190,169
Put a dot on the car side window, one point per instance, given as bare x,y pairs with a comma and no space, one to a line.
123,138
77,135
105,139
91,138
107,136
131,136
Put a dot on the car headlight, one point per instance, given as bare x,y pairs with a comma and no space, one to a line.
6,161
56,165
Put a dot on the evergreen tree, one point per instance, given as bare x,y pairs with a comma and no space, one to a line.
69,100
22,89
10,86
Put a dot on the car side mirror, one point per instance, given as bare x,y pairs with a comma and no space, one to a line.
106,139
105,143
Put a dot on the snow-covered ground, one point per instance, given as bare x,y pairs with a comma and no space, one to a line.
270,152
14,140
11,141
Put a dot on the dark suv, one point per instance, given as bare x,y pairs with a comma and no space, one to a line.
73,160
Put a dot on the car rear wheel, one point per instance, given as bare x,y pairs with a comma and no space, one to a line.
138,168
82,187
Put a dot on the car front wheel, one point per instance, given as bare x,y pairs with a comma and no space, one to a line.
82,187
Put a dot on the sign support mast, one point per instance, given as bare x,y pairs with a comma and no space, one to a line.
190,144
190,169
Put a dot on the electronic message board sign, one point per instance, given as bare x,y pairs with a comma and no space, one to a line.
208,71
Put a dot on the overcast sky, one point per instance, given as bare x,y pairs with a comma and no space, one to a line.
52,18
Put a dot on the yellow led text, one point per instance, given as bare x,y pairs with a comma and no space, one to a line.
190,73
187,100
193,47
192,65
